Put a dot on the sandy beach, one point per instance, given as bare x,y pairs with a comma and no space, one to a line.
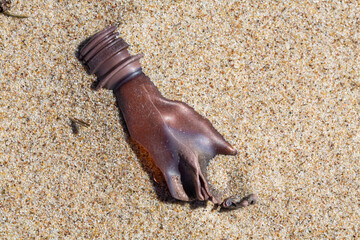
279,80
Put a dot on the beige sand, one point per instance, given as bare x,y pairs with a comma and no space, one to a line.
280,81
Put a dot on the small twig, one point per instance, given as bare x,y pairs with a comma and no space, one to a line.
14,15
80,122
5,6
75,122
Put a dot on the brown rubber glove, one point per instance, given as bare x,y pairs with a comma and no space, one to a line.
180,141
